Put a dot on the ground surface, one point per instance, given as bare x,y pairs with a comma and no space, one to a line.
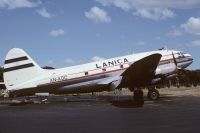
178,110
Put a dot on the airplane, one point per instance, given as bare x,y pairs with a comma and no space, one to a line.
24,77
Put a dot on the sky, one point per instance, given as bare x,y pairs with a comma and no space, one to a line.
63,33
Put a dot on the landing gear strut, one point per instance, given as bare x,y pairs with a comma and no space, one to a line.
138,96
153,94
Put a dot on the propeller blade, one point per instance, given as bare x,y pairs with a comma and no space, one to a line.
174,59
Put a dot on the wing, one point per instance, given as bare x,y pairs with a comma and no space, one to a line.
141,72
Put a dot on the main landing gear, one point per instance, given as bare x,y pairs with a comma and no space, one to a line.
138,96
153,94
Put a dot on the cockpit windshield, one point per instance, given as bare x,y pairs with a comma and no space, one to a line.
181,54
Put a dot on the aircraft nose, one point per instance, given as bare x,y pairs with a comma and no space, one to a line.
189,59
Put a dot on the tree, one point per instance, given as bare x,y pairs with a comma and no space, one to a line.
1,74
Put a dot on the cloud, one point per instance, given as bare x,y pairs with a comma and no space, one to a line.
192,25
140,43
158,38
195,43
69,61
154,14
152,9
44,13
97,58
13,4
133,4
98,15
50,62
58,32
72,62
175,33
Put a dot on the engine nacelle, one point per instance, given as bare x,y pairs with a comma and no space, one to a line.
166,69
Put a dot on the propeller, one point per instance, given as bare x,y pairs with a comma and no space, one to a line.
178,69
175,62
178,72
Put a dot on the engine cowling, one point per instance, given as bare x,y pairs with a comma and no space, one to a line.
164,72
166,69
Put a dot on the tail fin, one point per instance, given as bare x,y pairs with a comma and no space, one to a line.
19,68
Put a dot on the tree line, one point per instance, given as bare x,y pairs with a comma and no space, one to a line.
1,74
190,78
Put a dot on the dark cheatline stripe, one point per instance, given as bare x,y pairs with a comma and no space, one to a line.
16,60
18,67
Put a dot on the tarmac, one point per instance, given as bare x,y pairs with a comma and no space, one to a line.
177,111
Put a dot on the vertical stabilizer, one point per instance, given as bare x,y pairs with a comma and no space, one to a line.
19,68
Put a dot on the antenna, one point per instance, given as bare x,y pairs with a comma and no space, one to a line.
161,48
166,48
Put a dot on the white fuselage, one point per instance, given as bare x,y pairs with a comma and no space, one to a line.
89,76
96,76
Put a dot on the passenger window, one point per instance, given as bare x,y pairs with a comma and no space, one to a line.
86,73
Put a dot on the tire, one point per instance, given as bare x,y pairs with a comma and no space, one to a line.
153,94
138,95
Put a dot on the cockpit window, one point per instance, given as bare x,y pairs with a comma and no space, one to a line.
181,54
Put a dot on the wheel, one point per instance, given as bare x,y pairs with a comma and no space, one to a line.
138,95
153,94
10,95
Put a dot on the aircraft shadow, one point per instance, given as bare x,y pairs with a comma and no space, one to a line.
127,104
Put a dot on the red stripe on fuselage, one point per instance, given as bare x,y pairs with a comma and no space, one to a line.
121,69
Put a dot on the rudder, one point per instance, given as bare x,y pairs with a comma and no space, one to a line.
19,68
